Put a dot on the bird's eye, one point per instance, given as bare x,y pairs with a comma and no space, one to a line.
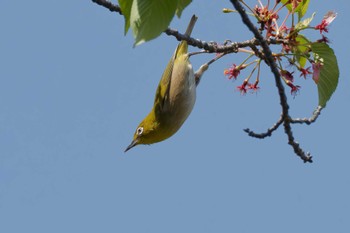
139,130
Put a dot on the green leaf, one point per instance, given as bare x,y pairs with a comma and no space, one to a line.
301,50
303,9
149,18
125,5
181,5
290,6
305,23
329,73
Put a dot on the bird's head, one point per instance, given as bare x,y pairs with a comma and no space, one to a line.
147,132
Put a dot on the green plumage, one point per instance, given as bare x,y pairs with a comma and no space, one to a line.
174,98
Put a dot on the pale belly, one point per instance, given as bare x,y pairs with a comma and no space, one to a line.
182,97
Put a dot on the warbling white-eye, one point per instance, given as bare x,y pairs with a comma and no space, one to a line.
174,99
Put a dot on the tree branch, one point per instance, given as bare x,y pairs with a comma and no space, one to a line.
283,98
269,131
210,47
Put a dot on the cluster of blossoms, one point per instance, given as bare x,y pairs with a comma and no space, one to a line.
294,47
235,70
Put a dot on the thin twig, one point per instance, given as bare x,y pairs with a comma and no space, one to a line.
310,120
110,6
269,131
205,67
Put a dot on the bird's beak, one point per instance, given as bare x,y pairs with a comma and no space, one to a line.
132,144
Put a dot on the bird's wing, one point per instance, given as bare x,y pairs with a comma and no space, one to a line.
162,92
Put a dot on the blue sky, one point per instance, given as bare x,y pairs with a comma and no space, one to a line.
73,91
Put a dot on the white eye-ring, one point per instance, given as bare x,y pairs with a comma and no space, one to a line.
139,130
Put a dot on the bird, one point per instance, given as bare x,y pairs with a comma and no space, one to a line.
174,99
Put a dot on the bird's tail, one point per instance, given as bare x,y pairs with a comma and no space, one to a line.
182,48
